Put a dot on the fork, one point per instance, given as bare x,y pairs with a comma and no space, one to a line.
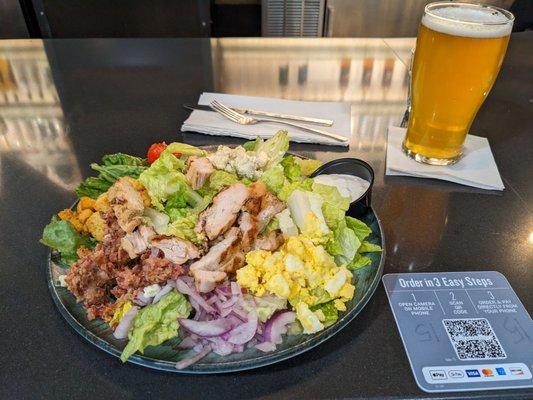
246,120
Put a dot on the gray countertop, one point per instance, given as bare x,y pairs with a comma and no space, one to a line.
65,103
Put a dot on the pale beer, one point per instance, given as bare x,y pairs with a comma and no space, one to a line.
459,51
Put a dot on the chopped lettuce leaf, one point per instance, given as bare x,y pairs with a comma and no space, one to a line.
359,227
158,220
113,167
286,191
183,227
275,148
359,261
219,179
291,168
274,178
123,159
185,149
61,235
264,306
329,312
286,223
306,212
163,179
344,245
253,144
309,166
156,323
92,187
334,206
367,247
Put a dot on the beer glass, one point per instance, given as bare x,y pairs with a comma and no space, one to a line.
459,51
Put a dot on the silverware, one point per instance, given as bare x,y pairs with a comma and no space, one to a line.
244,120
309,120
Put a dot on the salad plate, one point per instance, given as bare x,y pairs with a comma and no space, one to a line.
165,355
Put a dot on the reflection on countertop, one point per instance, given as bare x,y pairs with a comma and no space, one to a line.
365,72
32,126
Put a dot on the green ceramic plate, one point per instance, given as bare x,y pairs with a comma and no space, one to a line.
165,356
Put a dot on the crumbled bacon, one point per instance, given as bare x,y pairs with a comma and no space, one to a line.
108,270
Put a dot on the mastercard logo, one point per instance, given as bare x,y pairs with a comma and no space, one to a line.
487,372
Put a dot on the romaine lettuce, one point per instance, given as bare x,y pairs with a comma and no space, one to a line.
156,323
274,178
61,235
113,167
185,149
275,148
291,168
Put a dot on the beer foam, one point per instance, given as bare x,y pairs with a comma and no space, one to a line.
468,21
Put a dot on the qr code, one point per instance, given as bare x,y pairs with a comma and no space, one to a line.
473,339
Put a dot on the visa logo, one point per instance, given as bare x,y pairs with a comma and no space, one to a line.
473,373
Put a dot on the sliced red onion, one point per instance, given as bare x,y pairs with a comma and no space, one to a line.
277,326
193,294
244,332
212,328
124,326
238,348
191,360
165,290
220,346
240,313
266,347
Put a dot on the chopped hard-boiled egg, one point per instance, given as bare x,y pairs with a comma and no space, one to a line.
301,272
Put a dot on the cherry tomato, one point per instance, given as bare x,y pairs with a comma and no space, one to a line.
155,151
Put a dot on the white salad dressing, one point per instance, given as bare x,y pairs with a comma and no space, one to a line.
348,185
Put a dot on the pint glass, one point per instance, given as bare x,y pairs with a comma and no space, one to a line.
459,51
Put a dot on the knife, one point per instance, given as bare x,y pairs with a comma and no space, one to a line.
317,121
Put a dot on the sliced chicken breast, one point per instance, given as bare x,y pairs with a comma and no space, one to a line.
177,250
249,227
218,218
206,281
270,206
219,253
253,204
137,242
127,204
200,169
271,242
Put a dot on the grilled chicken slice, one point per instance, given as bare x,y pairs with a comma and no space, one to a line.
220,252
127,204
218,218
200,169
206,281
137,242
253,204
270,206
270,242
234,263
220,258
177,250
250,229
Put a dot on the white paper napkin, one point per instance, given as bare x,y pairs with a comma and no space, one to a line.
477,168
212,123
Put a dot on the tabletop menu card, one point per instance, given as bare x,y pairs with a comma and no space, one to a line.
462,331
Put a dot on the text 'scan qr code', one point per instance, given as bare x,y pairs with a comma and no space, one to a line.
473,339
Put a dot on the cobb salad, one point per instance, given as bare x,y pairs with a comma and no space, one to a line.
224,250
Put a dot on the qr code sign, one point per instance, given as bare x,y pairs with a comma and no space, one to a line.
473,339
